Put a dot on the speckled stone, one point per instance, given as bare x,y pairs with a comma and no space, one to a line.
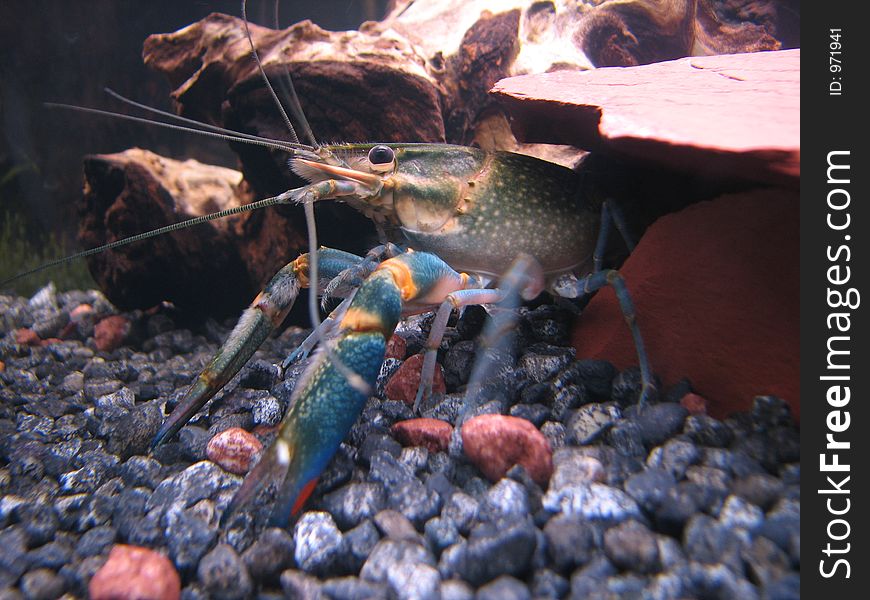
407,567
571,541
504,588
318,543
351,504
270,554
592,501
224,575
632,546
234,449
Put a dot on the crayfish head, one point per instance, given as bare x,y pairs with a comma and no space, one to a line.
434,185
330,163
364,171
422,188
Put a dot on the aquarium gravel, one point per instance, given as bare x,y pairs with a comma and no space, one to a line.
663,503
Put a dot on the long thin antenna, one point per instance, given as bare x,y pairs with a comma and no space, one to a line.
313,271
263,73
198,124
283,198
229,135
289,90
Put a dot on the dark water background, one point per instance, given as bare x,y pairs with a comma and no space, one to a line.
64,51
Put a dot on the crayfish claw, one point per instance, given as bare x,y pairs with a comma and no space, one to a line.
272,466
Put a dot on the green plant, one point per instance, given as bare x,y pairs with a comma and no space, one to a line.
20,252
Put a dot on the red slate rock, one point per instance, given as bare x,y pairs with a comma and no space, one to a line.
433,434
27,337
735,115
234,449
134,573
110,332
695,404
405,381
397,347
495,443
50,341
716,291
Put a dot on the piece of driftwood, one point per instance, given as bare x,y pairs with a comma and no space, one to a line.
137,190
421,74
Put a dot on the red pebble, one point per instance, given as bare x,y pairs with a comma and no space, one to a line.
234,449
135,573
397,347
80,311
110,332
27,337
495,443
50,341
405,381
695,404
433,434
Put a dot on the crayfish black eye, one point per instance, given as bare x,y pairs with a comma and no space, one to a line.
382,158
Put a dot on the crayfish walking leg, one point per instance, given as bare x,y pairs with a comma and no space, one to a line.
591,283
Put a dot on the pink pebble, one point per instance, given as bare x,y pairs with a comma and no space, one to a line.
403,385
27,337
234,449
111,332
695,404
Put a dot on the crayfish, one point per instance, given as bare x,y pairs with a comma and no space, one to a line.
462,226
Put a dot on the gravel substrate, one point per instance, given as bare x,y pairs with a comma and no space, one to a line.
657,504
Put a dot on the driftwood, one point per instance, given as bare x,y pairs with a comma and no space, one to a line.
422,74
136,191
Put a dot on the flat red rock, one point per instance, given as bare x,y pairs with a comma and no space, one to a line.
716,291
733,114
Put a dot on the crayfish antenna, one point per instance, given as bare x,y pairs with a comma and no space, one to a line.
314,314
284,198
